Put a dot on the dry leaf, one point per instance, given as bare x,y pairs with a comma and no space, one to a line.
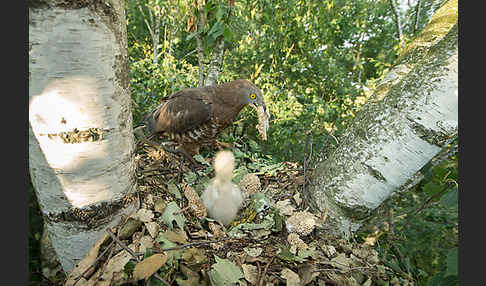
175,237
145,242
160,205
284,207
291,277
115,265
254,252
297,198
86,261
147,267
129,228
153,229
307,273
145,215
250,272
199,234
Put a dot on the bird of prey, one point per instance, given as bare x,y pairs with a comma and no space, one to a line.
194,117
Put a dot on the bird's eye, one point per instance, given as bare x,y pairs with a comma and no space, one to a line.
252,96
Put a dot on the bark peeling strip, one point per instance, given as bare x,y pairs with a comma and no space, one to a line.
92,216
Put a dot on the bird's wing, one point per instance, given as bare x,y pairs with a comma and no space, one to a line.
183,111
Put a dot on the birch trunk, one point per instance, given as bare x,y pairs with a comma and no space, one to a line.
81,145
410,118
216,62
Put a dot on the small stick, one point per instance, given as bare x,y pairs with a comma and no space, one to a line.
259,277
265,271
181,211
133,254
186,245
341,270
113,236
93,264
103,253
124,221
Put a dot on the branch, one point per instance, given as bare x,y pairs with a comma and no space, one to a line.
146,22
417,13
113,236
398,20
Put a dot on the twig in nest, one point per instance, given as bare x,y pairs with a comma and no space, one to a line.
76,280
121,225
181,211
259,277
133,254
265,271
93,264
164,171
342,270
186,245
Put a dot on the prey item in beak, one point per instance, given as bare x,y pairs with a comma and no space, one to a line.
263,116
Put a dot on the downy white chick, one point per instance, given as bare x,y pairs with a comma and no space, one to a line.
222,198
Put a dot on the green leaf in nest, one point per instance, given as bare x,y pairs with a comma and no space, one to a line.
172,188
190,178
172,213
225,272
201,160
285,254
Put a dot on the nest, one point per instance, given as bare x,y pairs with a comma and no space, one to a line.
172,225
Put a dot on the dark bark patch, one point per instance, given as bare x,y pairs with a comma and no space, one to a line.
77,136
95,215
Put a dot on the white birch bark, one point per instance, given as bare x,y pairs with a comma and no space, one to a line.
78,79
410,118
216,62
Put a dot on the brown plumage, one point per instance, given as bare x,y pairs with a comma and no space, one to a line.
194,117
